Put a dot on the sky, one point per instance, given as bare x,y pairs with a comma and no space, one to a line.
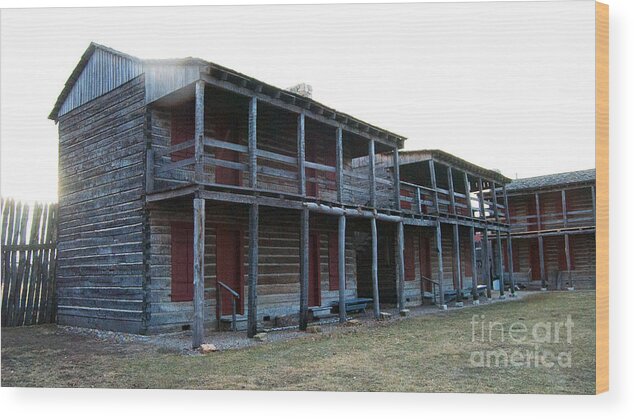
508,86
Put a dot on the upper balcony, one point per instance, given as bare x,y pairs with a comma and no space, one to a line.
209,136
553,210
437,184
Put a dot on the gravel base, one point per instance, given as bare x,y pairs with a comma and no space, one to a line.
180,342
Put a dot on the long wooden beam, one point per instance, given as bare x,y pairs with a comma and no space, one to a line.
452,196
375,270
199,130
397,179
253,143
542,265
568,261
538,211
564,210
339,173
252,320
456,253
400,264
509,251
342,267
434,186
474,268
500,261
199,272
485,262
301,153
372,173
467,189
441,274
303,269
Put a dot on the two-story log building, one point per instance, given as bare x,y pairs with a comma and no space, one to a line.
191,194
553,230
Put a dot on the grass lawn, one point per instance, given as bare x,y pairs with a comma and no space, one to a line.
433,353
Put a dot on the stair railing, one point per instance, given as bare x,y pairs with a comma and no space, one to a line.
234,297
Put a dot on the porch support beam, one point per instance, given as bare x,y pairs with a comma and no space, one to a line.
509,240
456,256
474,268
564,211
372,173
400,265
542,265
301,153
452,197
375,270
467,189
252,320
303,270
339,174
434,186
538,211
441,291
253,147
397,180
199,129
500,261
568,261
342,268
199,272
485,261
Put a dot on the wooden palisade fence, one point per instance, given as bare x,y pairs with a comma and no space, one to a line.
29,254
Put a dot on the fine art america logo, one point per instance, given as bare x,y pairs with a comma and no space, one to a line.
518,345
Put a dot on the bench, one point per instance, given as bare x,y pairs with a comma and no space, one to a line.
352,304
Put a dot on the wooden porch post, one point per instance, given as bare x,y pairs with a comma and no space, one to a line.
564,212
498,238
485,240
568,262
339,152
301,153
342,268
467,190
509,247
538,211
432,175
509,240
397,180
400,264
458,264
372,174
474,268
303,270
441,291
253,143
199,130
452,197
542,266
375,270
199,272
252,320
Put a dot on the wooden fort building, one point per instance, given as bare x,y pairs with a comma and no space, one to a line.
553,230
191,195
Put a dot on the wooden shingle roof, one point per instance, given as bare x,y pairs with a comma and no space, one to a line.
553,180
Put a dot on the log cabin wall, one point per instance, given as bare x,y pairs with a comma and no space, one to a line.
278,267
100,271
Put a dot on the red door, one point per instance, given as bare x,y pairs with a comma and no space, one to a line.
425,262
229,267
314,288
182,261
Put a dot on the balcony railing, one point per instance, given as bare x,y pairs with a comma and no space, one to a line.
227,164
552,221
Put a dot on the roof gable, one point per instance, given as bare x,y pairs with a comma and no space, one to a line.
100,70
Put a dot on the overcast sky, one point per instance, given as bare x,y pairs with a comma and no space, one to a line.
508,86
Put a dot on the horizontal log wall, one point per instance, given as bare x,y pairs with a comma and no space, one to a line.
100,271
278,268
